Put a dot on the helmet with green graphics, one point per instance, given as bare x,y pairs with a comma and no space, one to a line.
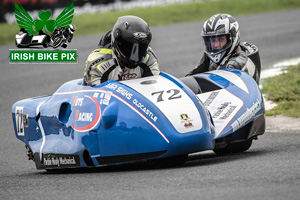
221,37
130,39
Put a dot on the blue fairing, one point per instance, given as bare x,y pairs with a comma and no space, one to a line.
111,123
241,88
148,118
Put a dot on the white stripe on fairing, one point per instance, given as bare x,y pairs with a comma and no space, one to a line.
172,108
232,77
125,102
42,130
78,91
138,112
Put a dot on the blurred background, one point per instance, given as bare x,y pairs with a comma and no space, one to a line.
272,25
82,6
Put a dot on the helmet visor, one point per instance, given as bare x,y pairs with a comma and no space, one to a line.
135,52
215,44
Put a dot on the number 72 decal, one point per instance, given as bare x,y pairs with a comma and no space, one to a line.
175,94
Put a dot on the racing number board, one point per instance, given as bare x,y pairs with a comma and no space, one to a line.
166,96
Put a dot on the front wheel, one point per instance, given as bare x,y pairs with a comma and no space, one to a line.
57,42
234,147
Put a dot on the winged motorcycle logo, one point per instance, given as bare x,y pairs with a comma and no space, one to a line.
43,33
51,33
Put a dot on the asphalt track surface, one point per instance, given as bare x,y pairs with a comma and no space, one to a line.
269,170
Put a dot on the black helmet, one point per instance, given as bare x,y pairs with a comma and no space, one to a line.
216,27
130,40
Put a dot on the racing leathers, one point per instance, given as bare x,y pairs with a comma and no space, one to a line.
102,65
246,59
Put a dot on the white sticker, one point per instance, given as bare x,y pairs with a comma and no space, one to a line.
107,97
222,105
176,105
19,121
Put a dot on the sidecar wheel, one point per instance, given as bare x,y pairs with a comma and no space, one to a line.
45,45
234,147
57,42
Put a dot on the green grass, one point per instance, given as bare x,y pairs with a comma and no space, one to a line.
284,90
155,16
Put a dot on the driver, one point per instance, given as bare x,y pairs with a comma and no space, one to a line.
122,54
223,49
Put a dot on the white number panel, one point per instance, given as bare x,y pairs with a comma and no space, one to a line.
171,100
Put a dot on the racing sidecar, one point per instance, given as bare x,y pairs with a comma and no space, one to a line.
23,40
235,104
155,118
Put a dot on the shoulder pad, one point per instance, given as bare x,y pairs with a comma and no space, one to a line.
249,48
105,40
150,58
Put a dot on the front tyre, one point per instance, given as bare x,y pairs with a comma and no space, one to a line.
234,147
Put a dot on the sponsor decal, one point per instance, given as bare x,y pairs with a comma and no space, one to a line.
143,108
254,48
220,109
139,35
83,116
127,76
111,86
124,92
107,97
57,160
186,120
85,121
118,89
97,61
211,98
43,33
128,95
250,112
228,113
96,94
77,101
223,107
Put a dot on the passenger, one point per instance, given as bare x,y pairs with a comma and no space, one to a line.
223,49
